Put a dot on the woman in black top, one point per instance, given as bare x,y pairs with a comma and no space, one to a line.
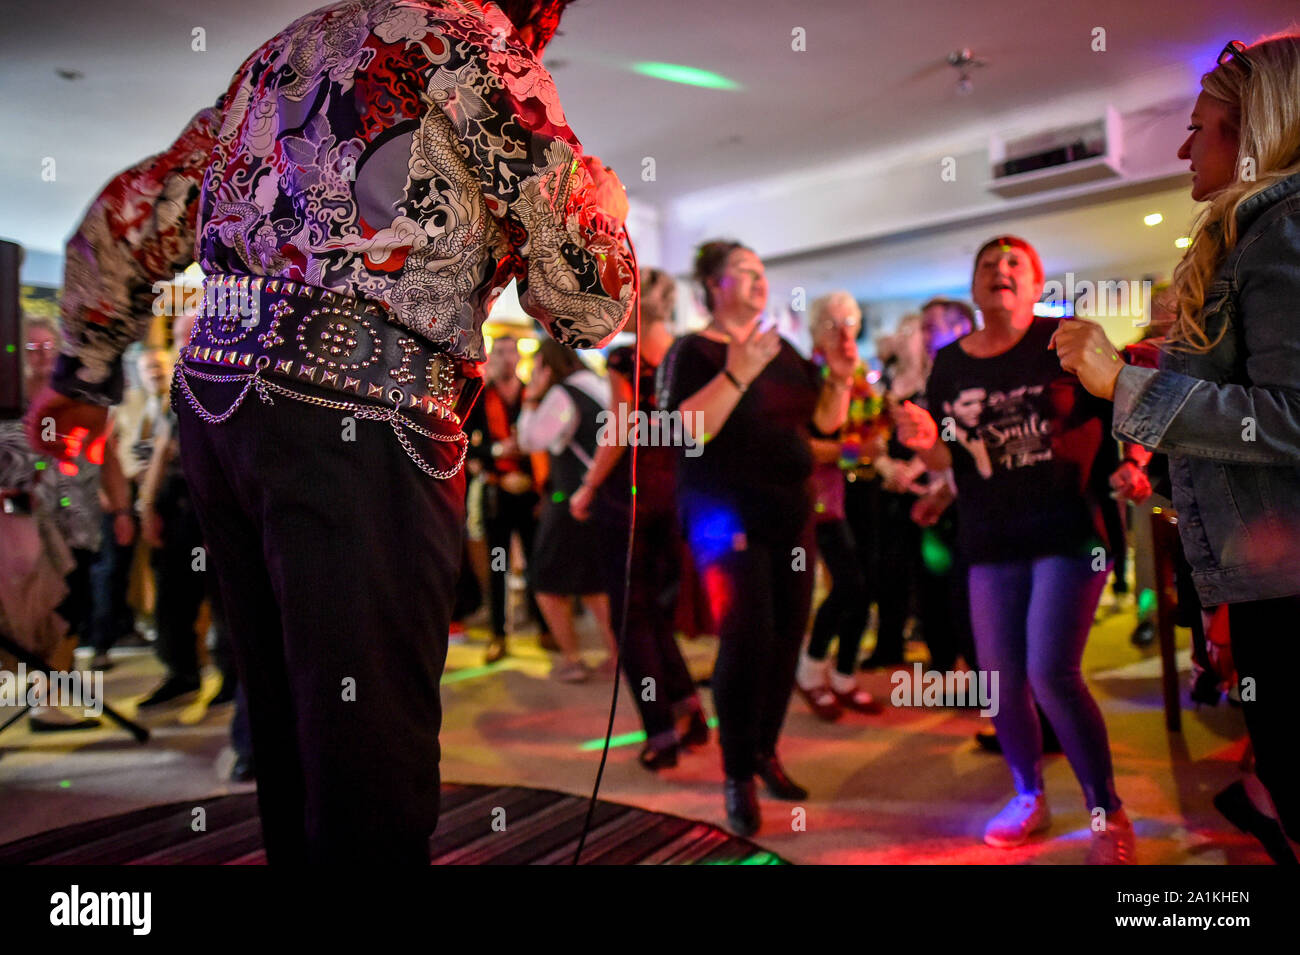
750,401
1032,455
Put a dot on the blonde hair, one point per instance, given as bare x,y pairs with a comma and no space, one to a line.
819,306
1263,99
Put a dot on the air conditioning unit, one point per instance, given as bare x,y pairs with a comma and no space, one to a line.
1057,158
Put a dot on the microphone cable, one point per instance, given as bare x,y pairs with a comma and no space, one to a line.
627,563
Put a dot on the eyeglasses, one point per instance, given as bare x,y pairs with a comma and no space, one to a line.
1234,50
41,346
852,324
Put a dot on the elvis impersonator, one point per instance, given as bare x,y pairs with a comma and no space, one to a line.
372,178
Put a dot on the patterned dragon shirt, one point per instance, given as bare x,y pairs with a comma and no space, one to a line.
412,154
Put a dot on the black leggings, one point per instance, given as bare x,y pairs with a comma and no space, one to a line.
649,649
760,592
508,514
846,609
1265,651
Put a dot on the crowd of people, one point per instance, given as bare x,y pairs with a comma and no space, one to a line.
972,488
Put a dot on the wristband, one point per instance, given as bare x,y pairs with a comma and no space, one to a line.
734,380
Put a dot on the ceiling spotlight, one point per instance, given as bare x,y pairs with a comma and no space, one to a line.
1154,218
1182,242
70,75
963,61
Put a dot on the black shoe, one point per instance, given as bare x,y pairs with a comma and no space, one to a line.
226,694
741,797
1205,688
1144,634
697,733
657,759
988,741
172,688
1234,804
778,783
38,725
242,771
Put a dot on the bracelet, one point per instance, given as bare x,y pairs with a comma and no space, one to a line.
734,380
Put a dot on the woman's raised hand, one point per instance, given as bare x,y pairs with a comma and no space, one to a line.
747,359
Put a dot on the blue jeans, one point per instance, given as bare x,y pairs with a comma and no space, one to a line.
1031,620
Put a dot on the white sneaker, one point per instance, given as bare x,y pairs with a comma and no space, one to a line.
1021,818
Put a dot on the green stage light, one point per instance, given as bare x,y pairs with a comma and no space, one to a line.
686,75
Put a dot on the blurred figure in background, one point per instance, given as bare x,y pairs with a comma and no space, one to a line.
670,709
509,500
902,481
52,529
133,428
561,405
943,601
845,526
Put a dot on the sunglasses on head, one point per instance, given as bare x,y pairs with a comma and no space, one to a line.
1234,51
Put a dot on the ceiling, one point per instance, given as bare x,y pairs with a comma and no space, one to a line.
872,77
1096,239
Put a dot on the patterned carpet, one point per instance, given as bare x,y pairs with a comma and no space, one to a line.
542,828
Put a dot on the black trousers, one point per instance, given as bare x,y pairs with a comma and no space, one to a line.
76,607
847,607
1264,651
760,594
899,554
337,563
943,596
181,575
649,649
507,514
112,617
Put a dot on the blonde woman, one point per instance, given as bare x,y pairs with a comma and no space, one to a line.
1224,404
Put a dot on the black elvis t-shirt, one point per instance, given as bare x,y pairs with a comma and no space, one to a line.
1031,449
760,461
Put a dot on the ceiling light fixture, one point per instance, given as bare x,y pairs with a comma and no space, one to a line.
1182,242
1154,218
686,75
963,61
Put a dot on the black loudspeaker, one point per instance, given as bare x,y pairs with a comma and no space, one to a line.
12,342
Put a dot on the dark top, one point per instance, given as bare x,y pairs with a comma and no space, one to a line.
569,467
656,464
897,449
490,421
1031,450
760,461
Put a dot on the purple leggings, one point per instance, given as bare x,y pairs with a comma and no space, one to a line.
1031,619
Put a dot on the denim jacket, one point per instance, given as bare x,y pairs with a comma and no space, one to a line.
1229,419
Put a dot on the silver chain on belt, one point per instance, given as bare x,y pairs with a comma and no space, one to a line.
396,420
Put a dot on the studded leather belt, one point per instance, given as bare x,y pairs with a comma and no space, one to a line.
270,333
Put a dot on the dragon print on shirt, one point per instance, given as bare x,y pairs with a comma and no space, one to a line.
410,153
